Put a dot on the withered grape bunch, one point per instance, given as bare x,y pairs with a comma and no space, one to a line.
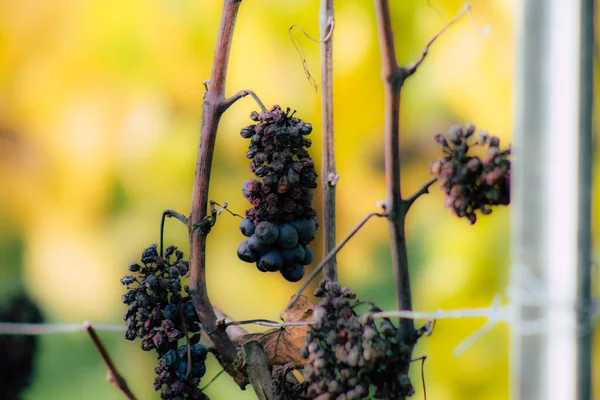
161,316
349,354
281,222
468,182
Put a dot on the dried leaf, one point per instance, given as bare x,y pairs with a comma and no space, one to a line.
282,345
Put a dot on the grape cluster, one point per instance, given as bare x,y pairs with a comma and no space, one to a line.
160,316
281,221
349,354
471,183
17,351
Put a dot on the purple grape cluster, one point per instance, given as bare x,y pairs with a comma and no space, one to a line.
471,183
349,354
281,221
160,315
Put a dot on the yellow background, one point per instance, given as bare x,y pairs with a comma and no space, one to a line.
100,103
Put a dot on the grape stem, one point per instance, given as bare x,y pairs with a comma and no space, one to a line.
424,189
169,214
331,254
114,376
394,77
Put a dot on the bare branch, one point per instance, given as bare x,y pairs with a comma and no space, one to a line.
421,191
242,93
412,68
328,169
257,365
265,322
113,374
329,255
393,79
213,107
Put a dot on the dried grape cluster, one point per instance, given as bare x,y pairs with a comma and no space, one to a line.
471,183
17,350
160,316
350,356
281,222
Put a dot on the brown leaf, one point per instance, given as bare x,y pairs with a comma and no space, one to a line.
282,345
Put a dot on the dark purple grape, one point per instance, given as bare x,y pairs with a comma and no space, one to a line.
251,187
199,352
266,232
271,261
293,272
256,246
149,255
198,369
170,311
245,253
247,227
182,368
189,311
170,358
293,255
308,256
288,236
306,229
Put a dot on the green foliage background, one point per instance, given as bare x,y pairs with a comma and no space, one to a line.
100,103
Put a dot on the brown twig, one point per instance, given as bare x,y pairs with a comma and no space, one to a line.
424,189
239,95
170,214
329,174
213,107
265,322
394,77
257,365
113,374
422,359
412,68
329,255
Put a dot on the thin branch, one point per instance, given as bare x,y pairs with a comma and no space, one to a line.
329,174
393,78
224,208
113,374
242,93
412,68
213,107
265,322
329,255
421,191
422,359
169,214
257,366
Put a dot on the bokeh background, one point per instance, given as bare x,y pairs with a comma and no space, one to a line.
100,105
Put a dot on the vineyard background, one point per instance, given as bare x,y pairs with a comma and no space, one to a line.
99,121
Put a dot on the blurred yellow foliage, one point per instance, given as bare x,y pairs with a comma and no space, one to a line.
100,105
